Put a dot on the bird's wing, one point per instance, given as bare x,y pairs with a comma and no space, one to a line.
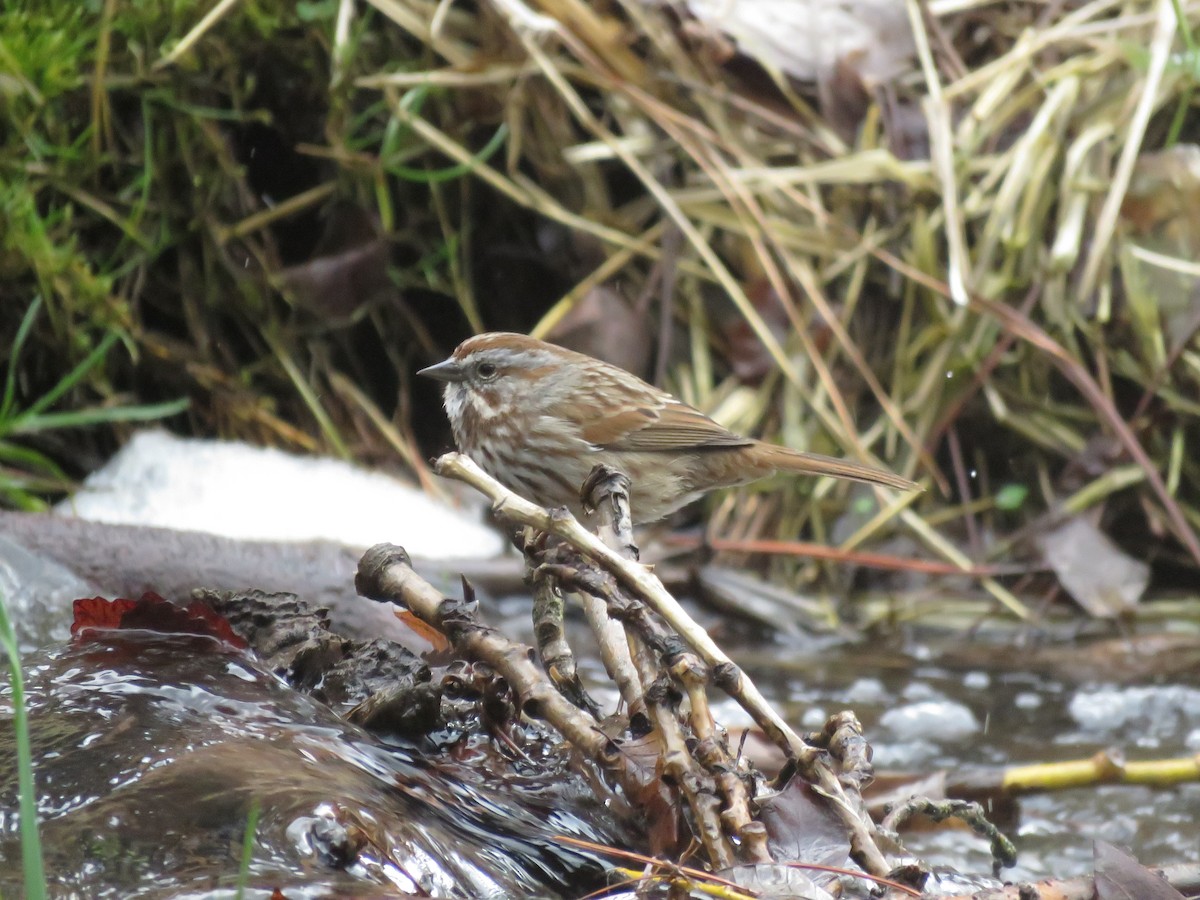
650,420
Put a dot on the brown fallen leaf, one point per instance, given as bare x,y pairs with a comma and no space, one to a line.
808,39
802,828
1121,877
1098,574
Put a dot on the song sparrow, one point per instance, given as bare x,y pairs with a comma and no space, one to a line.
538,418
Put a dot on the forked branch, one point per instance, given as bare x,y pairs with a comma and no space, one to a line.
811,762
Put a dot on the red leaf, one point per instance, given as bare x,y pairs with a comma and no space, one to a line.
98,613
218,626
152,613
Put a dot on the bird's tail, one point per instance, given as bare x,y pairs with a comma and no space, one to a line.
800,463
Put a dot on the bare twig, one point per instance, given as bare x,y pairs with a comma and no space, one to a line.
1004,854
384,573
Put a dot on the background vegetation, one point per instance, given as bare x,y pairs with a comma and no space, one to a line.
976,268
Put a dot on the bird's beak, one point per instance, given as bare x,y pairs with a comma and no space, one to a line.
449,371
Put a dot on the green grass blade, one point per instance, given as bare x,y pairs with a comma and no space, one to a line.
80,417
31,844
32,461
437,176
14,352
72,378
247,848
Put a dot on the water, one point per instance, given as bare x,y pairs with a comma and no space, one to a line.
950,705
150,751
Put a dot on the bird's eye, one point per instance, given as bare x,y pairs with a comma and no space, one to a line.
486,371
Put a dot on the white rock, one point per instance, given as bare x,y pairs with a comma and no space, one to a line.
239,491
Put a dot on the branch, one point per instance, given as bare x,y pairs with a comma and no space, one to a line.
810,761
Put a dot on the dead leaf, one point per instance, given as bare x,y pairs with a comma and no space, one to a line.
844,99
1158,248
348,267
439,646
603,324
802,828
150,612
1098,574
809,39
748,356
1121,877
646,790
